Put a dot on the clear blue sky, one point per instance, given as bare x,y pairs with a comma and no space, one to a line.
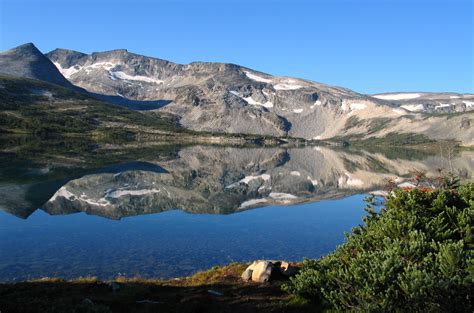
368,46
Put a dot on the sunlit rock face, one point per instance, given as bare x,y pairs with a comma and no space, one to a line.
228,98
227,180
222,97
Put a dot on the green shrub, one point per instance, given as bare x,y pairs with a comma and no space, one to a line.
416,254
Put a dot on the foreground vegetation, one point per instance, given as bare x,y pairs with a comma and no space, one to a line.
415,255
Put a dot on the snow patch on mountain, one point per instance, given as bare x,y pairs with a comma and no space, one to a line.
257,78
348,105
443,105
397,96
124,76
121,193
287,86
398,111
67,72
251,101
357,106
252,202
281,196
313,181
413,107
469,104
62,192
248,179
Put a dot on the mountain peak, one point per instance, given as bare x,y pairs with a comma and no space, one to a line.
24,48
27,61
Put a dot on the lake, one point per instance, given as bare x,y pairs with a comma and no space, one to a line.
71,208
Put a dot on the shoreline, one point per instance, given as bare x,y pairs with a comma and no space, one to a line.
218,289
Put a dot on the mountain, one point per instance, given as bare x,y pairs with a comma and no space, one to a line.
430,102
222,97
28,62
228,98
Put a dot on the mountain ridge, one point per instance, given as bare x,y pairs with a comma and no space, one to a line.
229,98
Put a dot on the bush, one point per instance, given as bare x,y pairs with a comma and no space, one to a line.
416,254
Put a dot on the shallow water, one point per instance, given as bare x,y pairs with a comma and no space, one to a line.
78,209
169,244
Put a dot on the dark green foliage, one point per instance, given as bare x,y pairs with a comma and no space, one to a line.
415,255
397,139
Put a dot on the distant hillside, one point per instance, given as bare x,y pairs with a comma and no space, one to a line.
28,62
33,106
221,97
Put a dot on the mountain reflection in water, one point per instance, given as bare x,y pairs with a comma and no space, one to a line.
43,182
215,180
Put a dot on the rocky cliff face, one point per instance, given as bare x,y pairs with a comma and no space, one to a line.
222,97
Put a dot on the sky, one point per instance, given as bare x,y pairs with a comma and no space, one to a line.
368,46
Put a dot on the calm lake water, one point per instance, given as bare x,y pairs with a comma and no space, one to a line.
74,209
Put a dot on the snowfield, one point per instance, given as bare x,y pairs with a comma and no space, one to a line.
124,76
67,72
413,107
251,101
257,78
248,179
397,96
284,86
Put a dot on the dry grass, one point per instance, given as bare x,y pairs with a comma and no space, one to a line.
188,294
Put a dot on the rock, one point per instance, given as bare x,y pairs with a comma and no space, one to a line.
264,270
247,274
287,269
259,271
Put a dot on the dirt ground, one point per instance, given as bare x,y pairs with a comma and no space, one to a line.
217,290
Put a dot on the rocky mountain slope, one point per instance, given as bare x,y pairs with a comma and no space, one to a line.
28,62
430,102
229,98
33,106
